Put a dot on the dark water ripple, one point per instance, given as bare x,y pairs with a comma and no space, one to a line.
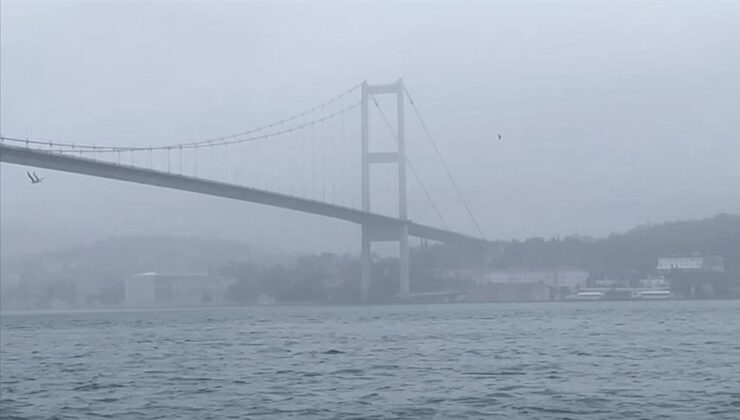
630,360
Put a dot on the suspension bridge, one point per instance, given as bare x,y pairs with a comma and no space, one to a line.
306,162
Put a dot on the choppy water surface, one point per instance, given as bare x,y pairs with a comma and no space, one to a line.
552,361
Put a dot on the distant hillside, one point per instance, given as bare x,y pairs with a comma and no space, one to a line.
115,257
629,254
635,251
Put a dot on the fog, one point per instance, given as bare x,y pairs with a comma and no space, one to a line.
611,115
573,209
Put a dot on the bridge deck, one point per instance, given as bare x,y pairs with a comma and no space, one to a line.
73,164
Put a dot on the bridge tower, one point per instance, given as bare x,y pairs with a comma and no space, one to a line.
372,233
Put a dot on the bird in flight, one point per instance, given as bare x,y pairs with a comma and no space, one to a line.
34,178
499,137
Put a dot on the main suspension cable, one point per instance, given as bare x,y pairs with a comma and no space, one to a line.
411,166
444,164
72,148
222,140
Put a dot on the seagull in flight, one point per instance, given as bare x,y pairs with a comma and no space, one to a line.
34,178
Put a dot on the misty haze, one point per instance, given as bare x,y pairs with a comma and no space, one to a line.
394,210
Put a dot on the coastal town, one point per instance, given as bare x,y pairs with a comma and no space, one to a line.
164,272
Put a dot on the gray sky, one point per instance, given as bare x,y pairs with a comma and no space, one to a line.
613,113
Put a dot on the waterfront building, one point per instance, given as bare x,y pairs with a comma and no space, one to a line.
186,289
657,283
510,292
560,277
524,284
690,263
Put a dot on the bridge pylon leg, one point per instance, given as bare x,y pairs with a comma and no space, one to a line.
366,262
399,234
403,256
397,157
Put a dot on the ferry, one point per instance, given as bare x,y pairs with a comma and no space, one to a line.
652,294
621,294
589,296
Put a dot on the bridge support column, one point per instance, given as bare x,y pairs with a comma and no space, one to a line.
384,233
366,261
403,256
398,157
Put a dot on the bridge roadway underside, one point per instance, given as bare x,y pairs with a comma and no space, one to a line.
381,227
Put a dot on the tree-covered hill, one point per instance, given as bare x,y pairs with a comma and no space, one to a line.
631,253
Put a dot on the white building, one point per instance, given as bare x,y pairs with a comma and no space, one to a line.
610,283
657,283
571,278
139,290
191,289
692,263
